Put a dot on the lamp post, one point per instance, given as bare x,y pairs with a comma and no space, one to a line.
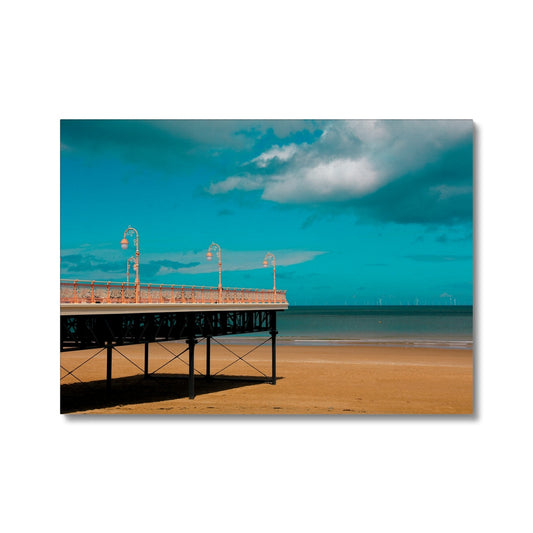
265,264
209,256
124,245
130,260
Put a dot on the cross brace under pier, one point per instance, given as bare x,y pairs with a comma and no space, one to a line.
109,331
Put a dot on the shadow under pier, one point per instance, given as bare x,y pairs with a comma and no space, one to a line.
134,390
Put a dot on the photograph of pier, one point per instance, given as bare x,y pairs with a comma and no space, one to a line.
266,267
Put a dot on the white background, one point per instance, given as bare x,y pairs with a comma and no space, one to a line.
265,60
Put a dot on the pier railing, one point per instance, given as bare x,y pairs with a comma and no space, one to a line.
82,291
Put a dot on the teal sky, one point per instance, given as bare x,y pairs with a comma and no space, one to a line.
356,212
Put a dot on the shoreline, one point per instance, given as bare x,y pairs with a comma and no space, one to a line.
446,344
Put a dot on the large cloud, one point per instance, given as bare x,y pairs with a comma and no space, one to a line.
425,164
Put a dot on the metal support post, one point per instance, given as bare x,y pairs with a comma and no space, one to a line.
146,359
191,342
109,362
208,357
273,332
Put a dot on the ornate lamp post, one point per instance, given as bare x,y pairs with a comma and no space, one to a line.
209,256
130,260
265,264
124,245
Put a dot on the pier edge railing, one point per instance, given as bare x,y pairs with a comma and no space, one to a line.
85,291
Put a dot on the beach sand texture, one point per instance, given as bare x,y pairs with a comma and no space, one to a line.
310,380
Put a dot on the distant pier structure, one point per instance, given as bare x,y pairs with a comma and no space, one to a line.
106,315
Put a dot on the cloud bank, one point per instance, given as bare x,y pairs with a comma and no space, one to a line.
103,264
400,170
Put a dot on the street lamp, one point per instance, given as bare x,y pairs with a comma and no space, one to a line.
130,260
265,264
209,256
124,245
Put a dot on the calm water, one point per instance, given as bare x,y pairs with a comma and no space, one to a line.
441,326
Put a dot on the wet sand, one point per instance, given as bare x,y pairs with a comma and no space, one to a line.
310,380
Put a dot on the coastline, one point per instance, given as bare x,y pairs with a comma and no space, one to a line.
447,344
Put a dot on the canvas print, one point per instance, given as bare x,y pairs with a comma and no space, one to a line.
266,267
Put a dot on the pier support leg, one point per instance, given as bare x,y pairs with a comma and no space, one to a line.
208,358
273,332
109,363
191,343
146,359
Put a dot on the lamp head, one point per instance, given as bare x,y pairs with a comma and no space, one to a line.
265,263
209,256
124,243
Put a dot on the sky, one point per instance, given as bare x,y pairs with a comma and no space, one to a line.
356,212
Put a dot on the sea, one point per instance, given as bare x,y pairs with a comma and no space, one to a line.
449,326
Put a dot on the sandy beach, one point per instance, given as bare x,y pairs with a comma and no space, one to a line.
310,380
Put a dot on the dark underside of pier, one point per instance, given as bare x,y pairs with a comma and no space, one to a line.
108,331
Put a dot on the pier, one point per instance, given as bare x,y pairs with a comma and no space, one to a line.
106,315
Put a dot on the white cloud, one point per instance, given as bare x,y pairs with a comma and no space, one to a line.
287,258
283,153
333,180
235,183
368,131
